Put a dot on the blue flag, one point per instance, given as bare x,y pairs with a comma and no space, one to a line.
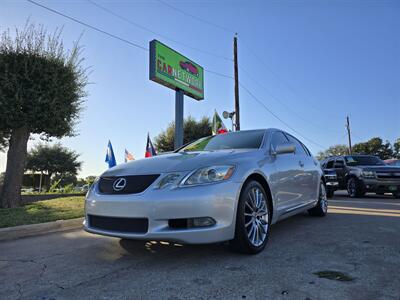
110,158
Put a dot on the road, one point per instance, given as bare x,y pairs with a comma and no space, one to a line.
359,239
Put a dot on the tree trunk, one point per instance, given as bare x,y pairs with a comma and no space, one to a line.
16,157
48,184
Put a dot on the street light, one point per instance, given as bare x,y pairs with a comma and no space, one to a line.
230,115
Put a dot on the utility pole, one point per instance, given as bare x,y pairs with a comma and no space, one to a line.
349,134
235,63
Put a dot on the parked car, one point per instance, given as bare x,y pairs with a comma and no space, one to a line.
228,187
359,174
331,181
393,162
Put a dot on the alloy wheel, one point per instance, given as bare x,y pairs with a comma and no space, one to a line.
256,217
351,187
323,198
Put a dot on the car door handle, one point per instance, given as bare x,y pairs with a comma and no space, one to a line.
301,163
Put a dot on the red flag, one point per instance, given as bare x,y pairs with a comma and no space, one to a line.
150,151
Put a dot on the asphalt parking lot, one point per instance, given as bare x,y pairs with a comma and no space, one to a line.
353,253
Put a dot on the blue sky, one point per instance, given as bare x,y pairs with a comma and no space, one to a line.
310,62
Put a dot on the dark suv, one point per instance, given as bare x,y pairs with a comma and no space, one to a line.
359,174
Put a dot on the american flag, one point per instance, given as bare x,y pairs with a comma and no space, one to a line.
128,156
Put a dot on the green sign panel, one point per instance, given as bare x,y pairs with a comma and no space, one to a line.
176,71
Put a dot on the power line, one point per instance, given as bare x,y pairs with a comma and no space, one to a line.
218,74
154,32
278,118
284,82
111,34
282,103
146,49
88,25
289,86
196,17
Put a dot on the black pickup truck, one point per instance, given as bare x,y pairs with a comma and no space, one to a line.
359,174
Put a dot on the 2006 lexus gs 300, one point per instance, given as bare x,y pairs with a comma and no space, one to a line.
228,187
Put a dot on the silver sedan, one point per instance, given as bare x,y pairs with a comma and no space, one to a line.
228,187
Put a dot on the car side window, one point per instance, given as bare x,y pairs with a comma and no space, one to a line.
306,149
339,163
323,163
299,147
329,165
277,139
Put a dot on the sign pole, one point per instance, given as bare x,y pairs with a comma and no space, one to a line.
235,64
178,140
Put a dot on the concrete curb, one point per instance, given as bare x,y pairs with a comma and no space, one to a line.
17,232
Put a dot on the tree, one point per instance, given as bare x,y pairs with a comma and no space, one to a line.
332,151
193,130
41,92
90,179
396,148
374,146
65,179
54,160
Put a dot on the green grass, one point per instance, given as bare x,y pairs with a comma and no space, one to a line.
43,211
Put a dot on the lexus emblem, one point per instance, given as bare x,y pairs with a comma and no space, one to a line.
119,184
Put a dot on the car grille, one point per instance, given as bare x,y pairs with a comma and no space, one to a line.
126,225
134,184
388,175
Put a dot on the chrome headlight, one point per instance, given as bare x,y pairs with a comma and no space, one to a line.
368,174
168,180
209,175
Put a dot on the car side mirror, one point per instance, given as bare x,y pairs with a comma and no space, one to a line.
284,148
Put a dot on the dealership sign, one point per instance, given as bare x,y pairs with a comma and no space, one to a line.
176,71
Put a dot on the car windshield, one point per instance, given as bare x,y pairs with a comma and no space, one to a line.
233,140
363,161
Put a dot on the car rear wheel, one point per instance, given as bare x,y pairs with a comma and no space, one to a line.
321,209
252,220
354,188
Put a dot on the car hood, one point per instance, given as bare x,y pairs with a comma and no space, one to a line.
378,168
179,162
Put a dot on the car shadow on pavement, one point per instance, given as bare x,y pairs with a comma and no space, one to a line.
164,247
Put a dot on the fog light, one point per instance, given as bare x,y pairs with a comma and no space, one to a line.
201,222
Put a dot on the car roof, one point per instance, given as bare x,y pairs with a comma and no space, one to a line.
355,155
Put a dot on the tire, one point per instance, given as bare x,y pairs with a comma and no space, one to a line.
330,192
396,195
321,209
253,219
354,188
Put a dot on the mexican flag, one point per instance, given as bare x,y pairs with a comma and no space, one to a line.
218,126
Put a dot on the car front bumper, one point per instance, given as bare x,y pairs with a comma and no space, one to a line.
216,201
382,186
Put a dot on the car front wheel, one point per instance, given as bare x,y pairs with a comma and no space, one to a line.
354,188
252,220
321,209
